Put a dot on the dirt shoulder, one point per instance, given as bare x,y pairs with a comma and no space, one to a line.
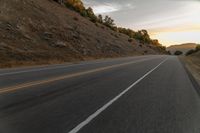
192,63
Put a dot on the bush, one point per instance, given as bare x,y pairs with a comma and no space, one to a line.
130,40
190,52
75,18
197,48
169,53
142,36
76,5
84,13
178,53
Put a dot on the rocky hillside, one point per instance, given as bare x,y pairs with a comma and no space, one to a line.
43,31
182,47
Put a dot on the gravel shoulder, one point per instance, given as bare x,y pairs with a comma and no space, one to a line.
192,63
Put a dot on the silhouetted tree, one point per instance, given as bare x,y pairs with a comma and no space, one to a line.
91,14
100,18
108,21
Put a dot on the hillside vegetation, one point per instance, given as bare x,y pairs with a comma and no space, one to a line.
44,31
184,48
194,51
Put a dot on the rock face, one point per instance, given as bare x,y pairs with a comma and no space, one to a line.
42,31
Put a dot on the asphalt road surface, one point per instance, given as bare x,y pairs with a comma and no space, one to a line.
144,94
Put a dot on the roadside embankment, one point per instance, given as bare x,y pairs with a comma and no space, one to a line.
192,63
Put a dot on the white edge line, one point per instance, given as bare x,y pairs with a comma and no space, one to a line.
91,117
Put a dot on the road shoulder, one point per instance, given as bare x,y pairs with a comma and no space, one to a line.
192,68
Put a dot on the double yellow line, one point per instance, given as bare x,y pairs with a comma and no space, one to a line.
35,83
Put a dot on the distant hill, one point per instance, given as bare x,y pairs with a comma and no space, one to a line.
43,31
182,47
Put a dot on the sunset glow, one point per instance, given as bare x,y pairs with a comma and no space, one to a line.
170,38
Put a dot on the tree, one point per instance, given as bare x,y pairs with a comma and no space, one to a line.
108,21
76,5
90,11
143,36
156,42
91,14
178,53
100,18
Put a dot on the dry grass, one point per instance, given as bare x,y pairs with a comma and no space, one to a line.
193,64
184,47
50,33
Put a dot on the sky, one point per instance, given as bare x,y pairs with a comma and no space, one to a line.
169,21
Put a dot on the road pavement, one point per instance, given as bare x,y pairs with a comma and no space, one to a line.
144,94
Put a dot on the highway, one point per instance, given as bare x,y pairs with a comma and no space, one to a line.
143,94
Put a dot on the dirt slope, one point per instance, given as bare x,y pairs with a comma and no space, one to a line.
42,31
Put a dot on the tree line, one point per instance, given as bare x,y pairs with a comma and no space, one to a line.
141,35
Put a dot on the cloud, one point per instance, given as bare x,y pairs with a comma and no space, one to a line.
103,7
100,9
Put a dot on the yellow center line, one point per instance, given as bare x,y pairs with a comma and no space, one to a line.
35,83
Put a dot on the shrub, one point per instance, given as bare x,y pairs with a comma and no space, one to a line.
178,53
84,13
190,52
169,53
116,36
76,5
197,48
130,40
76,18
